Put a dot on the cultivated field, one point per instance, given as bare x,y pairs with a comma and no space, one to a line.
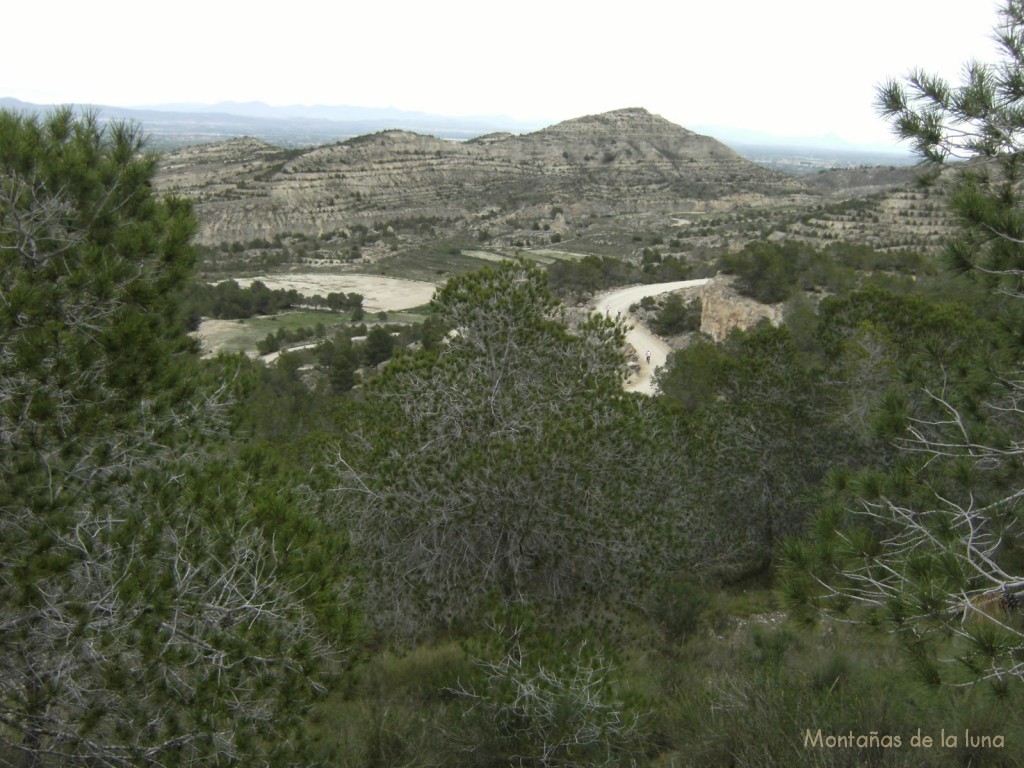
380,294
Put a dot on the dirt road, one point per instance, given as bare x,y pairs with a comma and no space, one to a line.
617,303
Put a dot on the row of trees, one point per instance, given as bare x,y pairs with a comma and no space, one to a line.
226,300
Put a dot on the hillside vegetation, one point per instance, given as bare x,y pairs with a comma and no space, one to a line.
452,538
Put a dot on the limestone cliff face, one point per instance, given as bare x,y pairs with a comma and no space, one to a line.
724,310
623,161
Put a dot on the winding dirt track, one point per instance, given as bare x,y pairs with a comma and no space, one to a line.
641,338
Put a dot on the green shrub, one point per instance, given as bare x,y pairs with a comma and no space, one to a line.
679,608
676,316
557,713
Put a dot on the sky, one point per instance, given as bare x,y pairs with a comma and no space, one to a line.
791,68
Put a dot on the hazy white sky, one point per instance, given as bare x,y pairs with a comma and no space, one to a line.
789,67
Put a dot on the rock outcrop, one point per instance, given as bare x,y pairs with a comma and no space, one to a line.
723,310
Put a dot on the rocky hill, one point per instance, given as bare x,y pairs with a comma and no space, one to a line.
609,184
623,161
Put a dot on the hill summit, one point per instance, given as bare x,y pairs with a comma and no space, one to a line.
624,161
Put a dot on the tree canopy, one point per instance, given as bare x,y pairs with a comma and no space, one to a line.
506,466
927,545
149,613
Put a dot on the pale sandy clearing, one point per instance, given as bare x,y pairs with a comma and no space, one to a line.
485,255
380,294
542,255
224,336
555,254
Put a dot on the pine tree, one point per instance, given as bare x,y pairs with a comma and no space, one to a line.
505,467
929,547
975,130
149,614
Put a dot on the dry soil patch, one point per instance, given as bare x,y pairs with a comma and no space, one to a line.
387,294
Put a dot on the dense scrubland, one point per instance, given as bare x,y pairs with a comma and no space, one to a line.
460,542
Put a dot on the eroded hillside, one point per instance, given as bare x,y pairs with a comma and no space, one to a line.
595,181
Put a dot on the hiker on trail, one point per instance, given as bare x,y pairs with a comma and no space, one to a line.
648,357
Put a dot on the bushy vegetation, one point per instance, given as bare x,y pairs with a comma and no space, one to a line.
449,527
675,316
166,597
578,280
226,300
771,272
742,690
804,551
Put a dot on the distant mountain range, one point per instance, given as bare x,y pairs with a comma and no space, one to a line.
179,125
386,117
172,126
